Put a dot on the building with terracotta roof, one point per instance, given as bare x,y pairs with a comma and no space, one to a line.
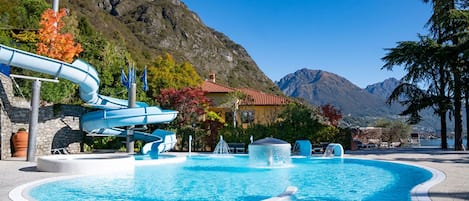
216,92
251,106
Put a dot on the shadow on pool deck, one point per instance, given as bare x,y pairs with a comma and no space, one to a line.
452,196
29,169
434,155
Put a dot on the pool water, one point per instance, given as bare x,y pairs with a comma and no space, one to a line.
208,178
139,157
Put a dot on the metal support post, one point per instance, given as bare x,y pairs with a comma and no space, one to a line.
33,120
130,142
55,5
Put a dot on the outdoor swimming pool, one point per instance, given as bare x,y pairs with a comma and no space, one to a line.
211,178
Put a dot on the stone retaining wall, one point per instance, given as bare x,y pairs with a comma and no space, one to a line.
58,125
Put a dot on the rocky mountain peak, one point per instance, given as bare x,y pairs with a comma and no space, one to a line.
383,89
153,27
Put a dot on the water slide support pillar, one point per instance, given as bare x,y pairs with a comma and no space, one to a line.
130,142
33,119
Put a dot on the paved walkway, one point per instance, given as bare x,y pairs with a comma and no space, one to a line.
18,171
454,164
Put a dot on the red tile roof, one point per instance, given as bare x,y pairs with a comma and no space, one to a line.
257,97
261,98
212,87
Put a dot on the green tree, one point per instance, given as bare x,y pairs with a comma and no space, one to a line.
440,61
18,22
449,24
165,73
5,37
28,13
300,121
108,59
394,131
424,62
21,15
112,59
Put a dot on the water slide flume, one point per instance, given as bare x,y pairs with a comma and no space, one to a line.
114,112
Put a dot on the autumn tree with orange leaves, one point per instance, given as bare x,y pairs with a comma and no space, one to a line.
52,42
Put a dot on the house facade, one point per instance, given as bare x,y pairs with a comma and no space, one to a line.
243,107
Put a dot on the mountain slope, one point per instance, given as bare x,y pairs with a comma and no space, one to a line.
151,28
383,89
321,87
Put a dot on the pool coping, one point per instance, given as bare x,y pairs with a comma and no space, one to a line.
85,163
20,193
419,192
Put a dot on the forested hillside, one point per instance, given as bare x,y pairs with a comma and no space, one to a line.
116,34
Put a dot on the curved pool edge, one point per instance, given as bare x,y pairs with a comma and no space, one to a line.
86,163
169,160
420,192
20,193
17,193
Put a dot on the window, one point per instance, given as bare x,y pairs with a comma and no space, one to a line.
247,116
229,117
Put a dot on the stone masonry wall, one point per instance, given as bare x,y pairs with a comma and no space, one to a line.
58,125
6,90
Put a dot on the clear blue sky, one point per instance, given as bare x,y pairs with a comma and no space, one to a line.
345,37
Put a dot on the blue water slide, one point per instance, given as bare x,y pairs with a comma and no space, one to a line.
114,112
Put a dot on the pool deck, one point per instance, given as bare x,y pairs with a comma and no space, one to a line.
455,165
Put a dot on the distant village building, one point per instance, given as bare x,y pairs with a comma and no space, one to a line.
370,135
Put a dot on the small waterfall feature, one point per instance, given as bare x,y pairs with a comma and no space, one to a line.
270,152
334,150
222,147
